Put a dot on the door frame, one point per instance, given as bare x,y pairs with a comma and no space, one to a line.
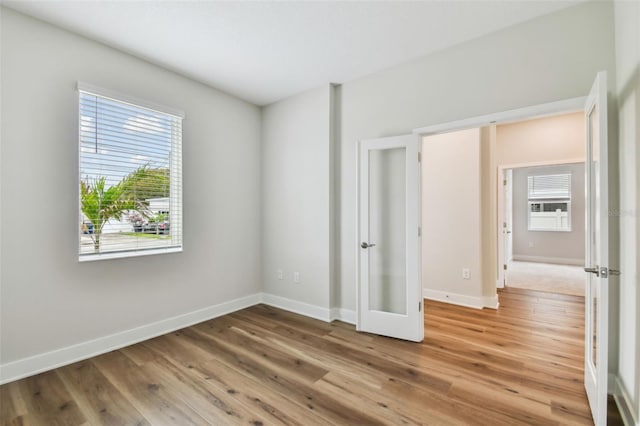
500,198
509,116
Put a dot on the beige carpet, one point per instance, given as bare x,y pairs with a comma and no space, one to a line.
563,279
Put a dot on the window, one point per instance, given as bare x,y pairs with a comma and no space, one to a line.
130,176
549,206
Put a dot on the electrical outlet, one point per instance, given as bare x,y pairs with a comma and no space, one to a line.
280,274
296,277
466,274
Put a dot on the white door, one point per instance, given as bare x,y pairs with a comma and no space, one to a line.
505,219
597,252
389,285
508,214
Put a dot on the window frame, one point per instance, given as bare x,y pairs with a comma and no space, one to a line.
175,161
549,200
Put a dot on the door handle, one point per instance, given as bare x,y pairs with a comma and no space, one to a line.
366,245
595,270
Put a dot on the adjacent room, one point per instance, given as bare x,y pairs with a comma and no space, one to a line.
330,213
541,202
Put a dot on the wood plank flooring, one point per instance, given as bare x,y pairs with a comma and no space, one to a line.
521,364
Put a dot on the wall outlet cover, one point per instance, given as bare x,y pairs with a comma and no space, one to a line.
466,273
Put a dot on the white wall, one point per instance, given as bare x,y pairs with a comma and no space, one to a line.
558,138
547,59
451,218
627,49
296,223
565,246
48,299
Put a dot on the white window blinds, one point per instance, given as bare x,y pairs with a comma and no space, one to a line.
130,177
557,186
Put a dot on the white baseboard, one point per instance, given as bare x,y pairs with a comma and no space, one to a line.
344,315
25,367
313,311
57,358
477,302
628,412
308,310
491,302
545,259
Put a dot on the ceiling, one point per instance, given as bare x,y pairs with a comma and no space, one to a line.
265,51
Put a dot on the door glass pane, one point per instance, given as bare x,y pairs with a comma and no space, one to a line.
594,261
387,230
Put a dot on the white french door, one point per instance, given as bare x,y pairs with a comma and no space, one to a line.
505,221
597,251
508,216
389,286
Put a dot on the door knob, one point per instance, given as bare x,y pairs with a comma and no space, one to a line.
367,245
595,270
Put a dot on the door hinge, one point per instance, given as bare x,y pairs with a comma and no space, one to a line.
419,157
504,182
419,231
504,266
420,306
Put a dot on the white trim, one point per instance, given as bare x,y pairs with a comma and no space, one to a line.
540,163
357,241
344,315
39,363
123,97
546,259
491,302
476,302
57,358
499,284
623,401
312,311
127,253
526,113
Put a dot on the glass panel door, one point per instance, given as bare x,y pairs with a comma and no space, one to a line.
389,280
597,252
387,224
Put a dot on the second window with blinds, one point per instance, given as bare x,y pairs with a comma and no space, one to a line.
130,176
549,198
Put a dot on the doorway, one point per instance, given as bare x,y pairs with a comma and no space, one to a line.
543,228
541,204
546,228
597,290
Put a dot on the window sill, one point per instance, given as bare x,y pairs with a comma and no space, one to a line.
126,254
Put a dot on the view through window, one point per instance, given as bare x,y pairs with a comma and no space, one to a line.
130,177
549,202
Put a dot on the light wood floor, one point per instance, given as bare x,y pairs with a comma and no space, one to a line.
521,364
